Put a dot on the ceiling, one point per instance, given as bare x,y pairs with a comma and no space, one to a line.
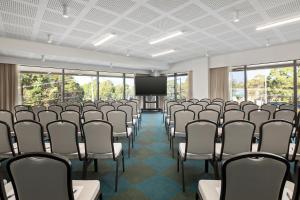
208,25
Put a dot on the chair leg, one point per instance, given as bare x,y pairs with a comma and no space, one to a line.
123,164
132,141
206,166
86,164
128,147
197,196
178,161
96,165
182,173
216,168
295,166
117,175
173,140
100,196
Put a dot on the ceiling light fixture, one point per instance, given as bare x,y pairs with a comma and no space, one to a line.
236,16
49,38
127,53
163,53
268,43
278,23
104,38
43,58
65,11
172,35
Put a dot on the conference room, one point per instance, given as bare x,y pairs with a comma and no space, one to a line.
149,99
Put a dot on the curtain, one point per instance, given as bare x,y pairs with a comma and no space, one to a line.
8,86
190,90
219,83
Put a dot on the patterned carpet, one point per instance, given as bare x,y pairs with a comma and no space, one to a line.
150,172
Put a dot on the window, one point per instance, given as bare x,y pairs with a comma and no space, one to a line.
182,86
80,86
111,86
129,86
40,86
170,87
236,84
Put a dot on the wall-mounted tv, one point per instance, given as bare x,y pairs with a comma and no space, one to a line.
150,85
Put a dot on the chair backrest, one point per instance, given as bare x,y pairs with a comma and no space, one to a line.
285,114
88,107
63,138
196,108
186,104
41,176
123,101
106,108
73,108
101,103
206,100
215,107
98,138
24,115
47,116
200,138
269,107
56,108
92,115
258,117
194,100
7,117
275,137
249,107
169,104
116,104
243,103
29,135
232,107
286,106
236,138
5,139
89,103
210,115
21,107
72,116
118,119
218,100
134,106
203,104
231,103
63,105
175,108
258,176
37,108
232,115
181,118
75,103
129,112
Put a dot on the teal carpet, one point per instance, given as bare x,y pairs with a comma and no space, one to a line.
150,172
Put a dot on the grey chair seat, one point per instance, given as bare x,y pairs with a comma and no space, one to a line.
210,189
225,156
47,146
117,148
133,123
177,134
192,156
291,150
123,134
85,189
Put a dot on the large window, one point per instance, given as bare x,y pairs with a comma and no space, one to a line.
236,84
111,86
129,86
80,86
182,86
171,87
40,86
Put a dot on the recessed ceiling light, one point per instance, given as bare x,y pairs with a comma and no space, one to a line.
268,43
43,58
236,16
163,53
49,38
65,11
104,38
278,23
166,37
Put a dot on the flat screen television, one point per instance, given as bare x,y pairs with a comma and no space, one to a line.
150,85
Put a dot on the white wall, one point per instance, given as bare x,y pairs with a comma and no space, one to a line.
200,75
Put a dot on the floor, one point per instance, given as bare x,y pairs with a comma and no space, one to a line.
150,172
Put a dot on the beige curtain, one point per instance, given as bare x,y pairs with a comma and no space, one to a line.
219,83
8,86
190,79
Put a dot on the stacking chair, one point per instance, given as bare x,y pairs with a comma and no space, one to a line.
89,103
7,117
24,115
203,104
181,119
186,104
285,114
105,109
236,138
232,115
218,100
231,103
29,136
243,103
196,108
99,144
210,115
275,137
215,107
269,107
73,108
286,107
231,107
258,117
6,144
64,139
206,100
37,108
247,108
170,119
72,116
168,110
118,120
48,177
63,105
135,112
56,108
199,145
116,104
123,101
21,107
45,117
92,115
248,176
131,121
194,101
101,103
88,108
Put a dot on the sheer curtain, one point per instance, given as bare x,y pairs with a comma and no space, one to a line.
8,86
219,83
